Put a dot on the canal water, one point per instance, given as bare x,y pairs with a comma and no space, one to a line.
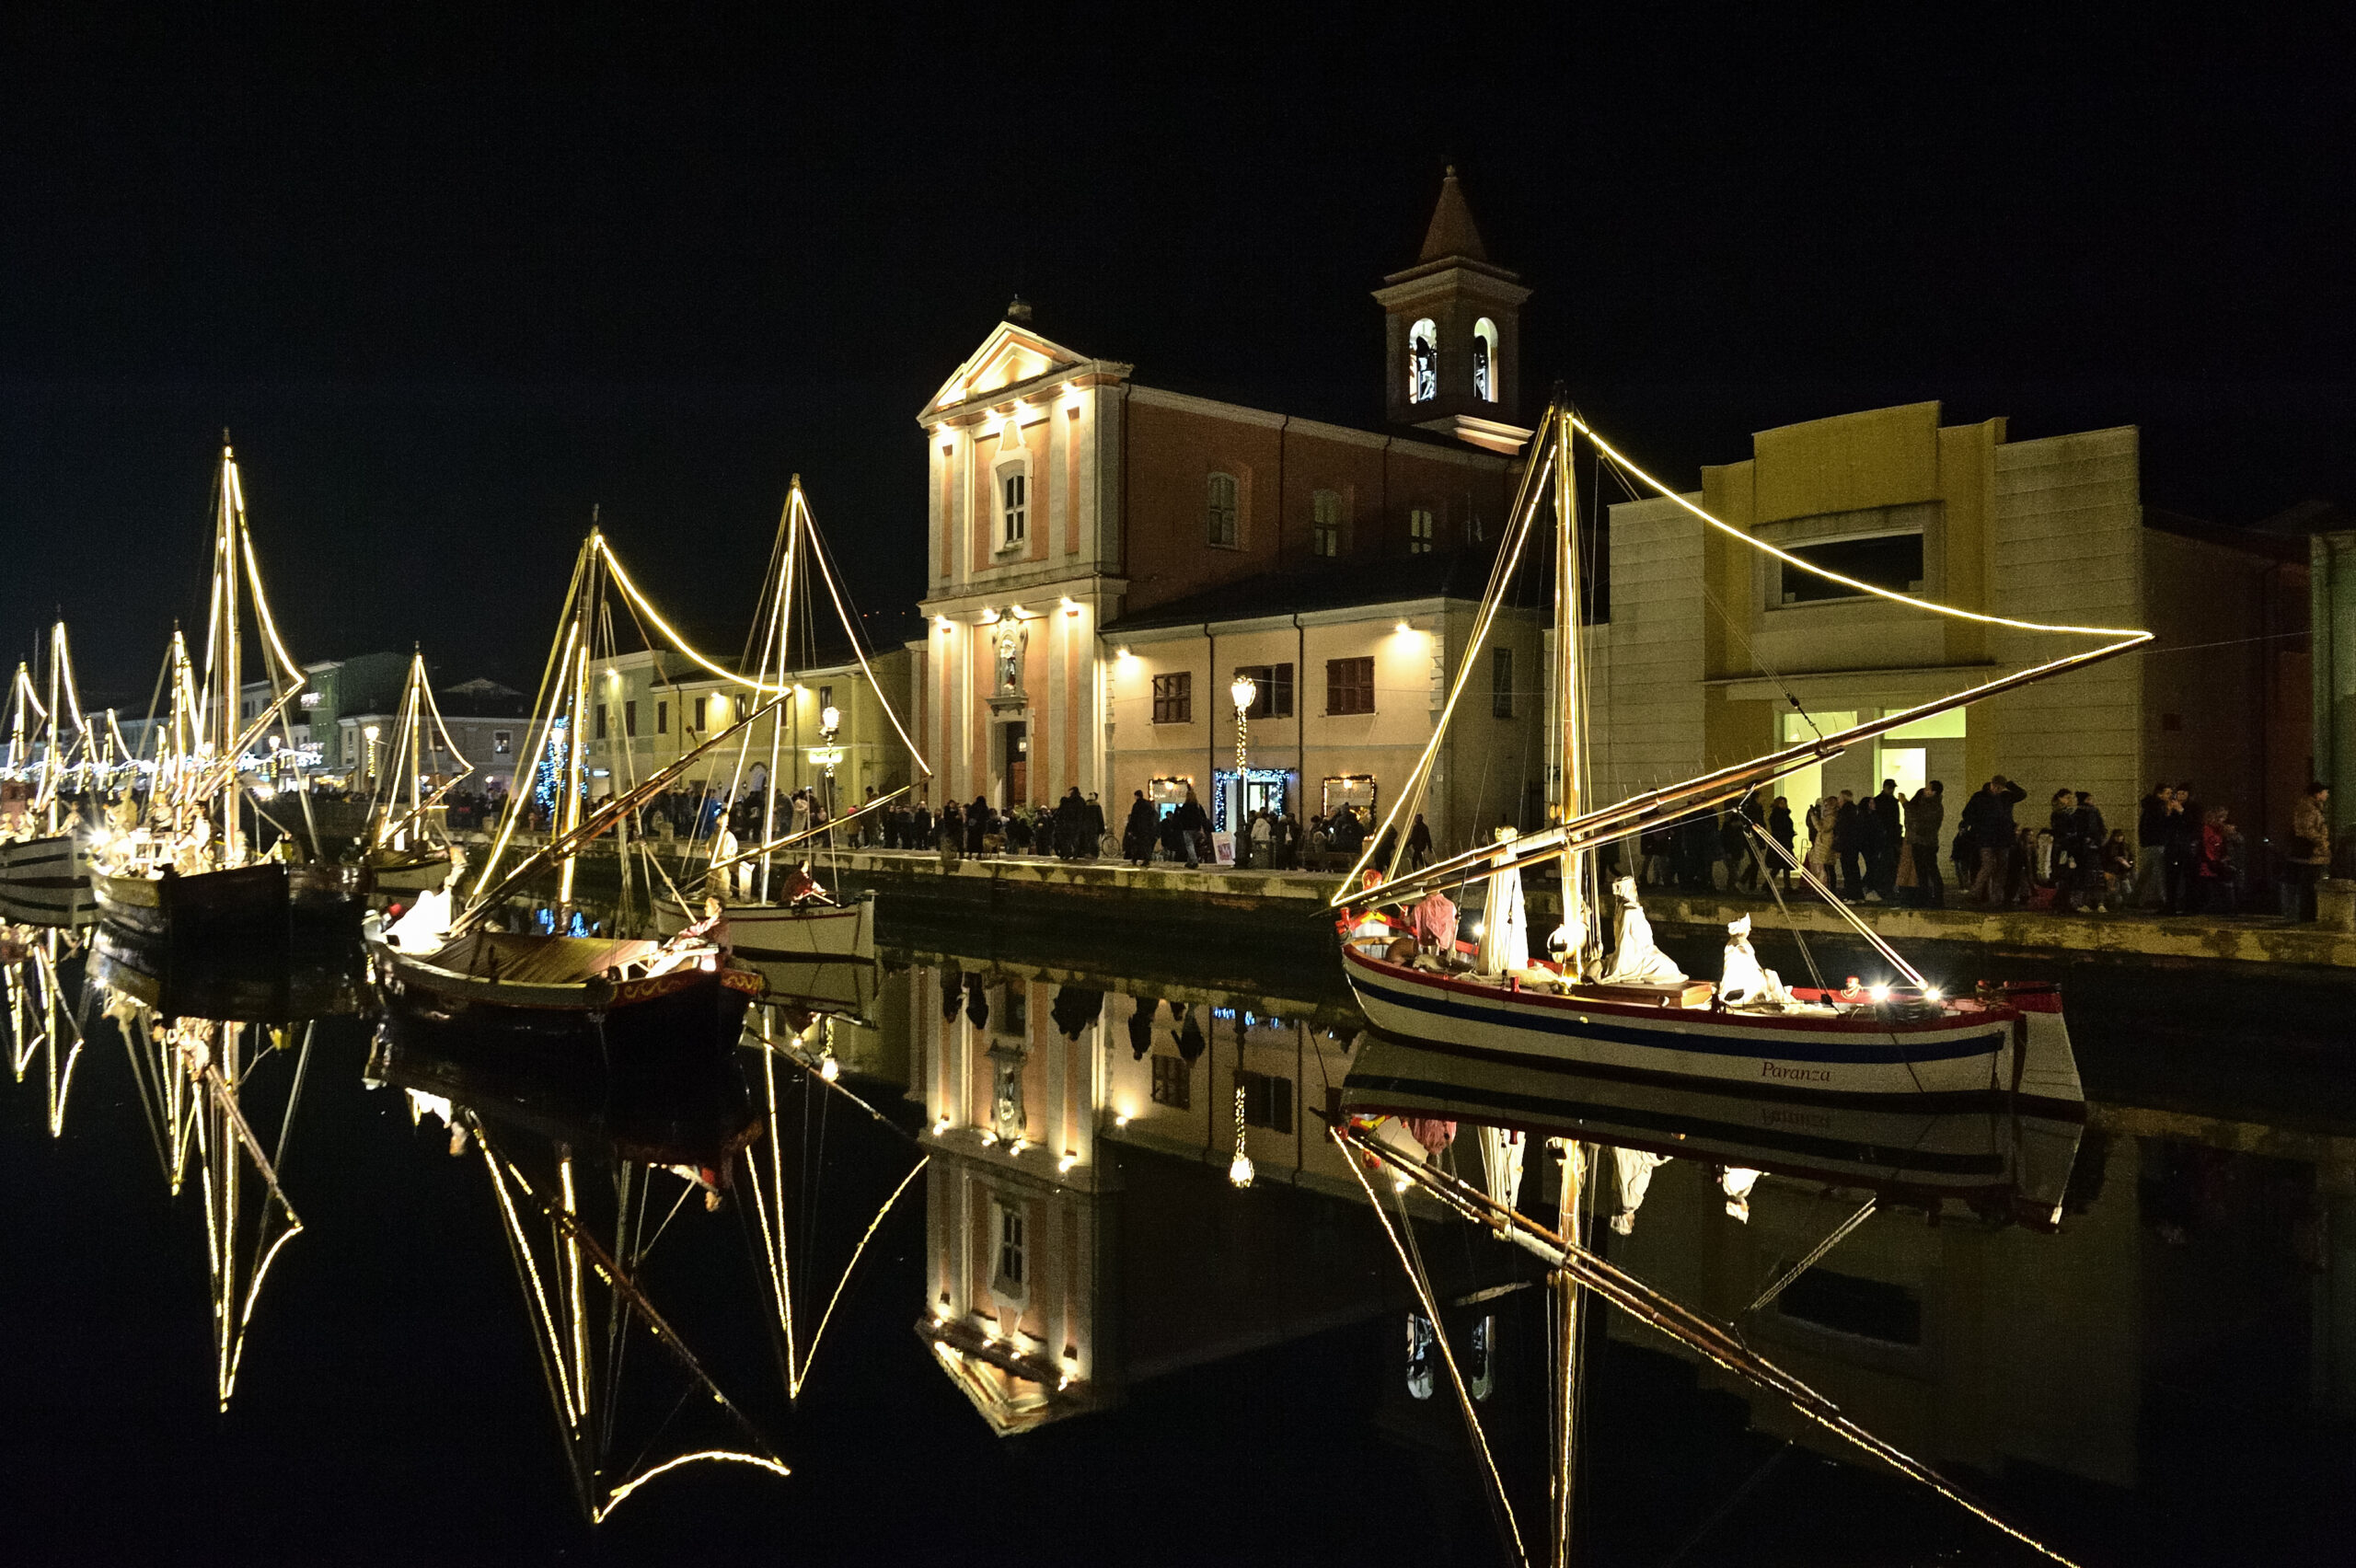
989,1294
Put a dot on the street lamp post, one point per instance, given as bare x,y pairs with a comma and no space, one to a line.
1243,689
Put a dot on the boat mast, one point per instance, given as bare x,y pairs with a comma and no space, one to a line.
782,618
1570,774
56,711
231,691
568,815
416,744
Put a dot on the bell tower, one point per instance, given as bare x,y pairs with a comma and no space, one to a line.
1452,331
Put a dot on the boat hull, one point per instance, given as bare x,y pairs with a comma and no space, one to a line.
46,882
795,932
268,906
2017,1155
1768,1053
413,873
672,1021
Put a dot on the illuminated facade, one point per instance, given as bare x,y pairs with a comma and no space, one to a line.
1073,512
2051,530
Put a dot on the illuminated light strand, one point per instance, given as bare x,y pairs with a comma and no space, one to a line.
826,574
1721,1346
840,1285
645,607
1440,1337
725,1456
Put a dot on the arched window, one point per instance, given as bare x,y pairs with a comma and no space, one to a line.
1422,361
1221,526
1484,359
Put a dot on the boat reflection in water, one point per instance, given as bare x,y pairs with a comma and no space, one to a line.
591,1156
41,1025
221,1100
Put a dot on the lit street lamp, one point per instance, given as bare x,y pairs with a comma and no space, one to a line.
370,733
1243,689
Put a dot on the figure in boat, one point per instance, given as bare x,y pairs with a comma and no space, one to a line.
1505,925
1744,982
1636,961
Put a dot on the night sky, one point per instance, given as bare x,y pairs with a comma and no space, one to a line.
454,280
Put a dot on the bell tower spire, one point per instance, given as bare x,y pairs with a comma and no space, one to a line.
1453,334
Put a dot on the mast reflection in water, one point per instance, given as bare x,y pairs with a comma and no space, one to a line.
2141,1354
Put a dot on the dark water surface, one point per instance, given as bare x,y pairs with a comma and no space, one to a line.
1190,1372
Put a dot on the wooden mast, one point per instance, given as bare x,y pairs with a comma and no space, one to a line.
568,813
1570,778
56,710
781,620
231,693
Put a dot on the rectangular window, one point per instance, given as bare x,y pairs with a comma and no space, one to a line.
700,713
629,717
1221,526
601,720
1273,696
1325,524
1886,560
1501,682
1009,1280
1173,698
1267,1101
1349,686
663,718
1015,509
1421,531
503,742
1172,1082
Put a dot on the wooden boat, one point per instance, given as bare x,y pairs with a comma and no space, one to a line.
1630,1012
195,876
44,865
764,926
639,1075
407,848
678,999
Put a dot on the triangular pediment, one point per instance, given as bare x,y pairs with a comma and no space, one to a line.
1010,356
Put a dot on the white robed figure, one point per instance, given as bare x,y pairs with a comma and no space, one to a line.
1634,960
1505,923
1744,983
1634,1167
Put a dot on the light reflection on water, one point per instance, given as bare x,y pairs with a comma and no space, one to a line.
1026,1165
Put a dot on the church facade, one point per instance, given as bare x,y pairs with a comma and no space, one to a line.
1104,559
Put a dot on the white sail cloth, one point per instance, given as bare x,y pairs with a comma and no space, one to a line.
1501,1152
1505,923
423,926
1636,961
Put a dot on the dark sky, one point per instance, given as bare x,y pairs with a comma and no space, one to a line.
452,278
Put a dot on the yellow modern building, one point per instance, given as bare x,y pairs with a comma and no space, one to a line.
1715,652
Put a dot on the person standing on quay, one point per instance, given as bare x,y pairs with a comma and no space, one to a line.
2152,847
1419,845
2310,852
1890,841
1992,835
1779,828
1190,824
1848,844
1927,814
2183,839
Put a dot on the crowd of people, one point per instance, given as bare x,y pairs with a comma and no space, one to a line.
2182,857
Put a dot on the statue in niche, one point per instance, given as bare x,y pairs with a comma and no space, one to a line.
1480,370
1010,657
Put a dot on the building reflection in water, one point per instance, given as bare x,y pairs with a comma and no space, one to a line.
1082,1233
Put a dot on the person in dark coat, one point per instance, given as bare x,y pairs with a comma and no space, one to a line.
1992,835
2182,840
2152,847
1848,846
2089,832
1137,833
1092,829
1419,843
2062,822
1927,814
1890,840
1193,827
1780,829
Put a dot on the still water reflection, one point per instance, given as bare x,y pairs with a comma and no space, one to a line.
320,1290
